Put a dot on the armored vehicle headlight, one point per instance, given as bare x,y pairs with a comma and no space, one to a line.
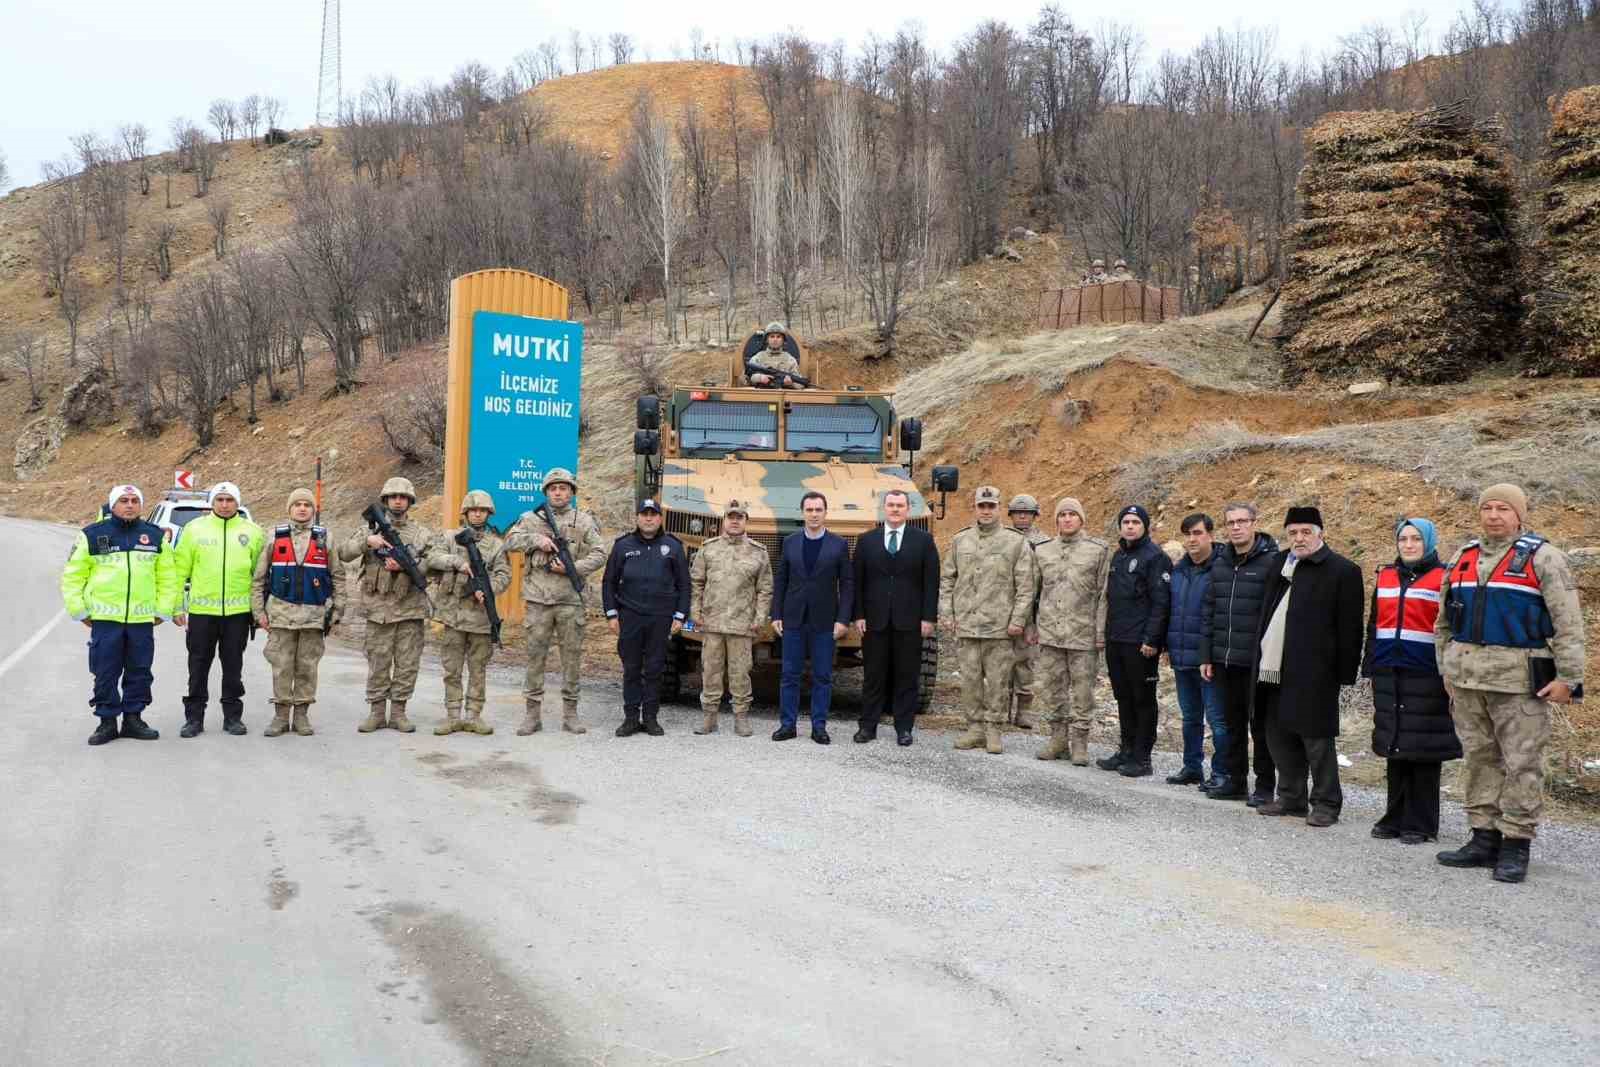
697,526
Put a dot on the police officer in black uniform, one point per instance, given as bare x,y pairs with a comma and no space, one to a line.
646,598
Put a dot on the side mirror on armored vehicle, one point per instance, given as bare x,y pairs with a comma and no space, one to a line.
946,479
911,435
647,413
646,442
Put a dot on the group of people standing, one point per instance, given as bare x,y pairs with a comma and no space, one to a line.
1464,658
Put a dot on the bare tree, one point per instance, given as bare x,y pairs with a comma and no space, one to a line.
135,145
272,111
219,211
198,327
843,169
5,172
250,115
61,237
550,60
621,48
982,115
222,117
26,352
160,241
661,207
575,47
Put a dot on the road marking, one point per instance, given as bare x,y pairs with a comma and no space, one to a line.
30,644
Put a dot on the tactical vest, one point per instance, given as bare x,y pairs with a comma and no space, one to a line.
294,581
1403,630
1509,608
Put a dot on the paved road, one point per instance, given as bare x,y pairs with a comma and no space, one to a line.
411,899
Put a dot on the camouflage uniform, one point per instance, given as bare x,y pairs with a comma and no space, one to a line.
1504,728
553,610
779,362
395,610
465,639
1070,579
730,583
295,631
1026,655
985,586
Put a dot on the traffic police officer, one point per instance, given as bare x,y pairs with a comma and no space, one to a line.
553,609
730,599
296,598
1509,640
646,598
1023,511
394,607
466,636
119,582
216,556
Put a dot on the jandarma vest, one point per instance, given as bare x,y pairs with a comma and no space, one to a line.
1403,629
1509,608
296,582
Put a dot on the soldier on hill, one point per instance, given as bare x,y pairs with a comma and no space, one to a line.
1120,272
772,365
294,597
1096,273
1023,511
466,639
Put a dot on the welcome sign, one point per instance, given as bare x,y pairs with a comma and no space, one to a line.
524,407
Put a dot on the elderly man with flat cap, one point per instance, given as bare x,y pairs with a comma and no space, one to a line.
1311,633
1509,639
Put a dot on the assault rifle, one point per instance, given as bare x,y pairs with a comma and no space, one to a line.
397,550
316,520
563,552
777,377
479,580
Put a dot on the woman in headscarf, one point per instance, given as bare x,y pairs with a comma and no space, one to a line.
1411,725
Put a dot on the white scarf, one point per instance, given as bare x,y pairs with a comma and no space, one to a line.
1272,640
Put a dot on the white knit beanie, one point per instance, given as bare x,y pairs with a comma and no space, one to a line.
123,490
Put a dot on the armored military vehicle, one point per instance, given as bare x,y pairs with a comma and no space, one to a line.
768,447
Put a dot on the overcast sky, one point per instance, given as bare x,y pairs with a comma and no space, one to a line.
67,67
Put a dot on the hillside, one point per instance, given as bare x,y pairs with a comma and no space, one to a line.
595,109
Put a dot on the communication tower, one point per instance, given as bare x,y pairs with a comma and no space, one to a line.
330,72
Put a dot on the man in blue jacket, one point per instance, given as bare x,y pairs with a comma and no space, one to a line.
645,594
1198,697
811,600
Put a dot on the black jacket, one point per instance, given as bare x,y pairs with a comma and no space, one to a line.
1411,710
646,576
898,592
1233,604
1138,594
819,597
1321,640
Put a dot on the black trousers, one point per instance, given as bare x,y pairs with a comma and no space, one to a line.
1413,798
891,668
1133,683
1296,756
207,636
642,642
1245,731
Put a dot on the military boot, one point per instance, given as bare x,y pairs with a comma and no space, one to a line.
741,723
1024,717
1512,866
532,719
569,719
397,718
280,721
992,742
104,730
1078,745
710,725
134,726
630,722
1481,850
973,738
302,720
1056,747
452,723
474,724
375,719
651,725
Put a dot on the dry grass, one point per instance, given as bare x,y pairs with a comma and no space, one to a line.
595,109
1459,452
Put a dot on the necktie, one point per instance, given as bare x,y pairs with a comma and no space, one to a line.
894,542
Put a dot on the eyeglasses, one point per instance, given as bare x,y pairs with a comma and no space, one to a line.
1238,522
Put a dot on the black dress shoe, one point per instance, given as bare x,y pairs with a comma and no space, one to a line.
652,728
1227,792
105,730
235,727
1258,799
192,728
1184,777
1134,768
1385,833
784,733
820,736
903,738
863,735
1112,762
1413,837
628,728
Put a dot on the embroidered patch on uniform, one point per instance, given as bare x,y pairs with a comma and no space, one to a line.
666,550
1167,577
1133,565
144,539
244,539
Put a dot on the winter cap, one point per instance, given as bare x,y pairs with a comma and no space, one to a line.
1303,513
1133,509
1506,493
301,495
223,489
648,504
734,507
1430,536
123,490
1070,503
986,494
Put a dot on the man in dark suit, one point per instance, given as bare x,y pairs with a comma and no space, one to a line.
811,601
897,603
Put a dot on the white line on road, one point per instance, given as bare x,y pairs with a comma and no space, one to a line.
30,644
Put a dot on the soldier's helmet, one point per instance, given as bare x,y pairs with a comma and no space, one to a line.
1099,263
777,327
986,494
558,474
477,498
1023,502
1120,264
398,486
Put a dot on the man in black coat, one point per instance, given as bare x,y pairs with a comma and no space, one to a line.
1311,630
896,605
1228,627
1138,602
646,598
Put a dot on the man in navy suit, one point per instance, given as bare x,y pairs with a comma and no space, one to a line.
897,603
811,600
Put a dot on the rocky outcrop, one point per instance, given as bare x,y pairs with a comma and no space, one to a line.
37,446
89,400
